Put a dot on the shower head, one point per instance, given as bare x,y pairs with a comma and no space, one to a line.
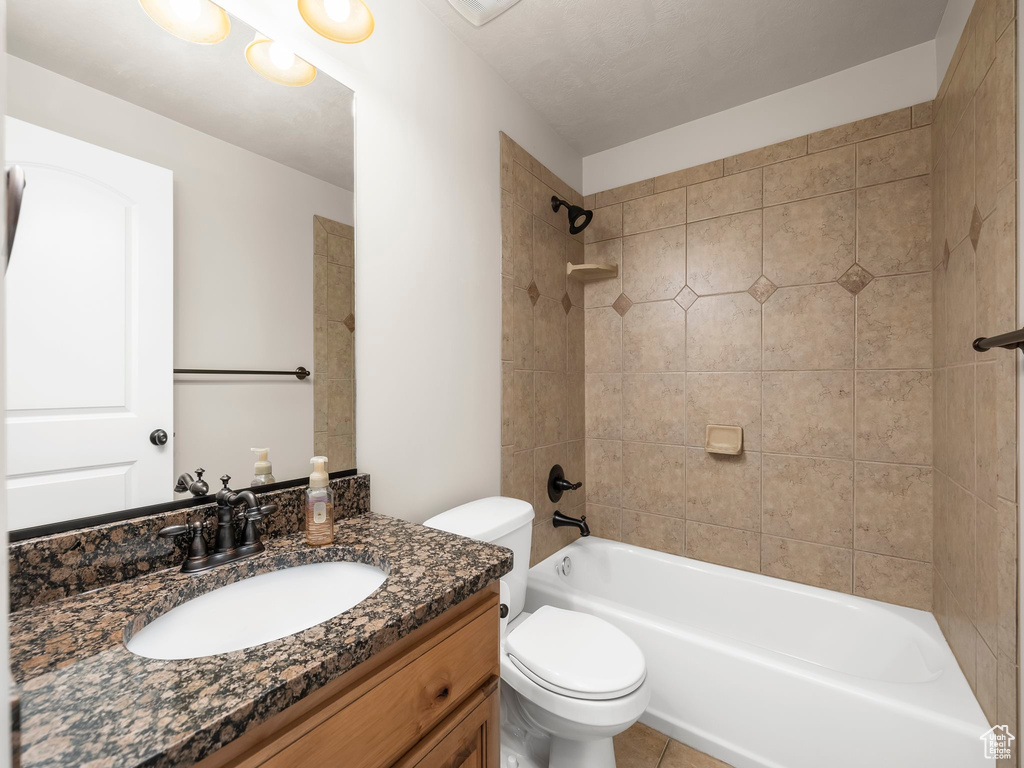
578,217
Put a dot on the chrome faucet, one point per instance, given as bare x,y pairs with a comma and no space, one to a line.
229,545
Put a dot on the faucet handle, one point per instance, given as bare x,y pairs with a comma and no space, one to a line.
173,531
225,479
260,512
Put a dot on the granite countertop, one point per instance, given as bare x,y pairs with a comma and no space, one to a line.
86,700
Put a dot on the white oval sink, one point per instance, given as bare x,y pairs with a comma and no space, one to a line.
257,610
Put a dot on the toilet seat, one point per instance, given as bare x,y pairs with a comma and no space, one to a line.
576,655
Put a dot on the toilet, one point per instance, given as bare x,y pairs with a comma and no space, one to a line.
569,680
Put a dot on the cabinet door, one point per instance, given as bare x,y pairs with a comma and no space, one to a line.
473,742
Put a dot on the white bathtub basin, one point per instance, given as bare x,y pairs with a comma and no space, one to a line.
766,673
257,610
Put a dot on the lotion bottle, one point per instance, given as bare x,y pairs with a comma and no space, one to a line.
319,505
263,472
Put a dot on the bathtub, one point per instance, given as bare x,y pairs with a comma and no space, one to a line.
765,673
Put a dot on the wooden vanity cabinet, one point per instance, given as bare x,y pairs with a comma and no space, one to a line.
428,701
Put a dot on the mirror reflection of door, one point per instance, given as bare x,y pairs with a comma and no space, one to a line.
244,261
89,330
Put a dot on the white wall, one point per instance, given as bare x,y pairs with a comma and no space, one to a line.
898,80
243,230
428,302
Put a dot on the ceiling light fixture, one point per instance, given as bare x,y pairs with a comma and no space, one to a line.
343,21
277,63
197,21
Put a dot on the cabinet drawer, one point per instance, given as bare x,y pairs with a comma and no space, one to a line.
469,738
387,720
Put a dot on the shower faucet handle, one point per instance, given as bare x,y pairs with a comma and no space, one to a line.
557,484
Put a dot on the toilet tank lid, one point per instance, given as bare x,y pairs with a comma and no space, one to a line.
484,519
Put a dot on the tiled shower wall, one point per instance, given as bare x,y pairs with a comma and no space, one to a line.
541,343
787,291
974,284
334,385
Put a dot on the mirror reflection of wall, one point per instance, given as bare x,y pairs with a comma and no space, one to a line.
181,212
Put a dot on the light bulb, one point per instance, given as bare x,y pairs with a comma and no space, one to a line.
338,10
281,56
187,10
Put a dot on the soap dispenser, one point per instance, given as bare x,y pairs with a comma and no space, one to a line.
263,473
319,505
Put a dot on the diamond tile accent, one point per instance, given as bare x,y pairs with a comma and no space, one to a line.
975,227
350,322
534,293
566,303
686,297
855,279
762,289
622,305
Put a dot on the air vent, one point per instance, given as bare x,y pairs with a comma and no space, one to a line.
479,12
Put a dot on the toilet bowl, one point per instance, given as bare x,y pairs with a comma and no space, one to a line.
575,680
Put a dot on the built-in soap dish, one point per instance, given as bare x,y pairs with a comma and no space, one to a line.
723,439
588,272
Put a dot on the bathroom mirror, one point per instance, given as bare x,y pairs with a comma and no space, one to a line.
185,219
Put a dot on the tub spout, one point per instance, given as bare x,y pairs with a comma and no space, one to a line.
558,520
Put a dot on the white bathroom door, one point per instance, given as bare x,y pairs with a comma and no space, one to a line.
89,331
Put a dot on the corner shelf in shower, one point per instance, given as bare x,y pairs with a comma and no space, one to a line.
588,272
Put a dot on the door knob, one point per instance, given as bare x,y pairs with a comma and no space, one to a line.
158,437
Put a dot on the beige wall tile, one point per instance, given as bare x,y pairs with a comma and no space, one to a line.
659,532
1007,581
894,580
654,264
665,209
340,250
575,253
522,329
576,471
550,335
809,327
985,688
603,340
624,193
922,113
320,288
508,232
960,175
654,338
960,424
996,130
652,478
576,330
955,541
321,344
940,441
719,197
340,345
894,416
654,407
522,475
522,247
814,564
507,404
341,404
604,405
995,267
577,405
808,499
507,471
731,547
603,293
549,260
724,254
959,312
811,241
811,176
724,490
606,224
860,130
342,450
894,227
986,559
604,472
319,238
732,399
506,319
339,292
962,84
723,333
894,510
938,201
605,522
321,400
897,156
552,405
808,413
547,540
773,153
688,176
894,322
523,410
988,418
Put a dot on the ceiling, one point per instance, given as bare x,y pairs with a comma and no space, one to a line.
113,46
605,72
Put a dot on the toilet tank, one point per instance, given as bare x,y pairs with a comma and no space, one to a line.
496,520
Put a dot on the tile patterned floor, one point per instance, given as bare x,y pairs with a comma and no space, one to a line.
643,747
